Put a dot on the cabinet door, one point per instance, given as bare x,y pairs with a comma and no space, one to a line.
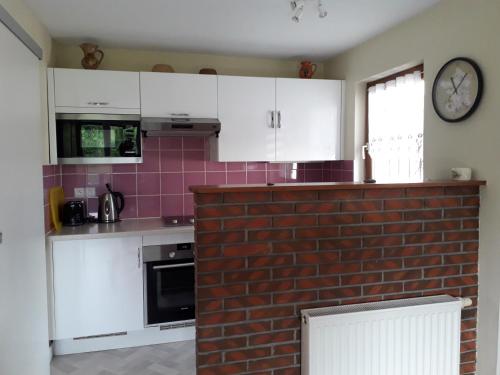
246,110
98,286
309,119
96,89
172,94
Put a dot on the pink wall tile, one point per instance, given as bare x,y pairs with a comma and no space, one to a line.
125,183
216,178
188,205
151,162
193,143
148,184
236,166
160,186
124,168
171,161
72,181
194,161
193,179
170,143
172,183
236,178
151,143
149,206
130,210
256,177
172,205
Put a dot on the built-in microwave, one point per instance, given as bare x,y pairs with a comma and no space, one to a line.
98,138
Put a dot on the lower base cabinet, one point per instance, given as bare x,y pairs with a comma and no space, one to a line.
97,287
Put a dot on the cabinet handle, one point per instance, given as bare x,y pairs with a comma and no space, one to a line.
279,119
170,266
272,119
97,104
139,257
180,114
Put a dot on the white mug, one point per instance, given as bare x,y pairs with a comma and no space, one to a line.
461,174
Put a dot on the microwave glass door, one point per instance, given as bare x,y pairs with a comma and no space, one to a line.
98,139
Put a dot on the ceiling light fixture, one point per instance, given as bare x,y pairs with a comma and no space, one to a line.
298,9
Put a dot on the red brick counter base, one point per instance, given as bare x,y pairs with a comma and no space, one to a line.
265,253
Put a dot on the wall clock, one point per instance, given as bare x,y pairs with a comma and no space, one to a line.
457,89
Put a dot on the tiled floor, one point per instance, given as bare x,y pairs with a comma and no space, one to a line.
166,359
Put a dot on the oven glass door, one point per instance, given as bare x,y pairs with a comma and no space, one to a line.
102,138
170,291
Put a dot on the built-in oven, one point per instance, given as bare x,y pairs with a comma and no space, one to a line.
98,138
169,283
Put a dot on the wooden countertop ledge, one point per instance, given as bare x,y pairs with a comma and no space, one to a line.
210,189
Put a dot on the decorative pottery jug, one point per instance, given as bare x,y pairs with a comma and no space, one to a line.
92,56
307,69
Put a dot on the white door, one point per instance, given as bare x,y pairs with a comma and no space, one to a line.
173,94
309,119
24,346
246,111
96,89
98,286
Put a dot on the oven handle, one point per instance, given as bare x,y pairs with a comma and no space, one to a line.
173,266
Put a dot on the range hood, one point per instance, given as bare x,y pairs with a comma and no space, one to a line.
168,126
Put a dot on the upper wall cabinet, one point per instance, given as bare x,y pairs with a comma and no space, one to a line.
101,91
269,119
309,117
178,95
246,112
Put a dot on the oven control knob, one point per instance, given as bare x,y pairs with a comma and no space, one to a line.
171,254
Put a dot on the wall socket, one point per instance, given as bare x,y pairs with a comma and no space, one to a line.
79,192
88,192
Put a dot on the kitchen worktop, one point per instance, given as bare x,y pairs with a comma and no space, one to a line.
209,189
129,227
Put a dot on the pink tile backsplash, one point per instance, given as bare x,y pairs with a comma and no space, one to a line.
160,186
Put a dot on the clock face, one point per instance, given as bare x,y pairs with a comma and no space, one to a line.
457,90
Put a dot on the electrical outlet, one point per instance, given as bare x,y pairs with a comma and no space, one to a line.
79,192
90,192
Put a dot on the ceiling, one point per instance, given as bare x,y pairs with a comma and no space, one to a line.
237,27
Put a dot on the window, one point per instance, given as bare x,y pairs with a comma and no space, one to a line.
395,127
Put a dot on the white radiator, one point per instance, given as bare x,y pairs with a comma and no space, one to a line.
418,336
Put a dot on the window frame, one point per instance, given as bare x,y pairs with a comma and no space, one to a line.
368,160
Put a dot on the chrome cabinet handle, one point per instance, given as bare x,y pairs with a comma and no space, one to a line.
97,104
272,119
168,266
180,114
139,257
279,119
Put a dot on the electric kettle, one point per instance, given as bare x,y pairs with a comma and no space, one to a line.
109,209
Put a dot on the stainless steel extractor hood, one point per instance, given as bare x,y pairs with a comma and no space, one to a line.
165,126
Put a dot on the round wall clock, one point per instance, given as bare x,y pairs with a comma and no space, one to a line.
457,89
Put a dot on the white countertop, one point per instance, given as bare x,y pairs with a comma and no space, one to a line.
129,227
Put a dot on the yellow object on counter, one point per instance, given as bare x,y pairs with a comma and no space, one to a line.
56,201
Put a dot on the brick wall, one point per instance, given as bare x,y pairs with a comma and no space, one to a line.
264,256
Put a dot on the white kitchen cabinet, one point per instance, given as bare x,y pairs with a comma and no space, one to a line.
178,95
309,117
97,90
246,110
97,287
269,119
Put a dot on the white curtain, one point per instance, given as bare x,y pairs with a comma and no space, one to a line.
396,123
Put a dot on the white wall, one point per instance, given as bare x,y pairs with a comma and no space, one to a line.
24,345
452,28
